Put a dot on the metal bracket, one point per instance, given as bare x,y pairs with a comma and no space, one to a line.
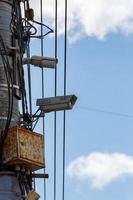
5,86
40,176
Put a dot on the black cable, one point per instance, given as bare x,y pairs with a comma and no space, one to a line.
18,33
55,114
43,121
27,4
9,99
21,72
21,85
42,25
105,112
9,79
27,28
37,118
34,115
64,117
24,91
21,185
35,123
29,80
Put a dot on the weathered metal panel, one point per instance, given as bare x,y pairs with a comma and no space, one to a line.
25,148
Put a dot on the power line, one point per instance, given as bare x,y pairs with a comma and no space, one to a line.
64,117
28,65
105,112
42,52
55,114
9,80
29,79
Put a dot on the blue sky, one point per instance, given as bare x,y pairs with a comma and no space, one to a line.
100,73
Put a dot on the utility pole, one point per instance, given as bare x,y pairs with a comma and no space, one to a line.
21,149
9,94
16,136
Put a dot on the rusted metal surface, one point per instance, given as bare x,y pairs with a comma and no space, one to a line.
25,148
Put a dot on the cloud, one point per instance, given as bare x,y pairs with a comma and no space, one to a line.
90,17
100,169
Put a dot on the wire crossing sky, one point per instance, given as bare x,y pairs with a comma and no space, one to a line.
99,71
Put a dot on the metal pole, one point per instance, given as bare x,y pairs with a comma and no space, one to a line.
9,186
5,19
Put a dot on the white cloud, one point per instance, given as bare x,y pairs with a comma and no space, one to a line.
100,169
90,17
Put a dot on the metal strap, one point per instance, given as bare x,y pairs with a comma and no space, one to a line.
5,86
7,1
5,118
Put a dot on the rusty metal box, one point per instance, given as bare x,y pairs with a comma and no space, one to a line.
24,147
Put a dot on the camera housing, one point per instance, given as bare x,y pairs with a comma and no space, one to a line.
57,103
41,61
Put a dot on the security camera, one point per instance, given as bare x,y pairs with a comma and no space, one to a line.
41,61
57,103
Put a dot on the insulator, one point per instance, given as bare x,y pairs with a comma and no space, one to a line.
28,172
23,169
17,168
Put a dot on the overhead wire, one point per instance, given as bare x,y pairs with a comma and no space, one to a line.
9,80
29,80
28,67
42,70
55,114
113,113
27,27
17,29
64,116
42,34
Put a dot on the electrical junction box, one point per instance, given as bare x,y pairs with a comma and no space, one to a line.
25,148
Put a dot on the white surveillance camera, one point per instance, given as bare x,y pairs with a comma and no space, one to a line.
58,103
41,61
